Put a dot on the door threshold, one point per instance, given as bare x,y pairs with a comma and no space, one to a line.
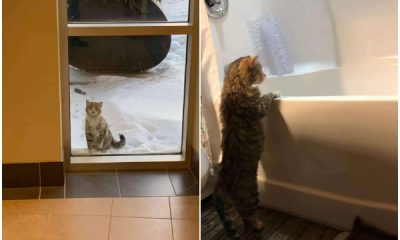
127,159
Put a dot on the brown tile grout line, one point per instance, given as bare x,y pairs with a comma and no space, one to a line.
195,179
90,173
40,183
48,217
65,185
170,212
172,185
51,212
110,213
110,217
119,188
127,197
140,217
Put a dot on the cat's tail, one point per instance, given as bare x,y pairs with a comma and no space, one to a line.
119,144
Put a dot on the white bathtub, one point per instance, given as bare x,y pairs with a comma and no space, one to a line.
331,144
330,159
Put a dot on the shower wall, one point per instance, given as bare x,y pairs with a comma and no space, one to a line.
366,36
338,47
305,25
366,32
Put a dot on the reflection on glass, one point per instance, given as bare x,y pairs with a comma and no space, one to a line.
142,101
128,10
118,53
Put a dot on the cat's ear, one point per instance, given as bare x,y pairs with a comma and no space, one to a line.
254,61
244,65
100,104
87,102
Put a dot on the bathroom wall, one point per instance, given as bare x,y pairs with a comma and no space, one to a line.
31,101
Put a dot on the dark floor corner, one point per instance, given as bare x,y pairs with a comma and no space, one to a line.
113,184
184,182
277,225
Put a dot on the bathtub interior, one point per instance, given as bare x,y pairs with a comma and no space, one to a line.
337,47
339,81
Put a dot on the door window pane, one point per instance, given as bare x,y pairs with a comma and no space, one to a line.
128,11
141,82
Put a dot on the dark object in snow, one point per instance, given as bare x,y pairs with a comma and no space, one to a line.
116,53
80,91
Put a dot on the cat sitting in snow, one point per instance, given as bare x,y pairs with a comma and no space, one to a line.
98,135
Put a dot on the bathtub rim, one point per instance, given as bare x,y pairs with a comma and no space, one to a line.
389,98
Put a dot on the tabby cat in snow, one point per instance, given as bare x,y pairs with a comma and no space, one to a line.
242,107
98,135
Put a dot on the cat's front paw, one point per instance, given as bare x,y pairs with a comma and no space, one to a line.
276,94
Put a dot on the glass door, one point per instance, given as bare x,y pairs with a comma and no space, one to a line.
128,71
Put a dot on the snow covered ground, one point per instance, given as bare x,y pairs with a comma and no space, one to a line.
147,108
175,10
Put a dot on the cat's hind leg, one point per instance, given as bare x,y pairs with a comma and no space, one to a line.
246,202
224,207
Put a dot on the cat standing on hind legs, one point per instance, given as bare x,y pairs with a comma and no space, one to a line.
242,107
98,135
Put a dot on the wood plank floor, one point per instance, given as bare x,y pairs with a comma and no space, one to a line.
277,226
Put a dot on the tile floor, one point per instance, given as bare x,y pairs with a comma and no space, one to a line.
113,184
170,218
